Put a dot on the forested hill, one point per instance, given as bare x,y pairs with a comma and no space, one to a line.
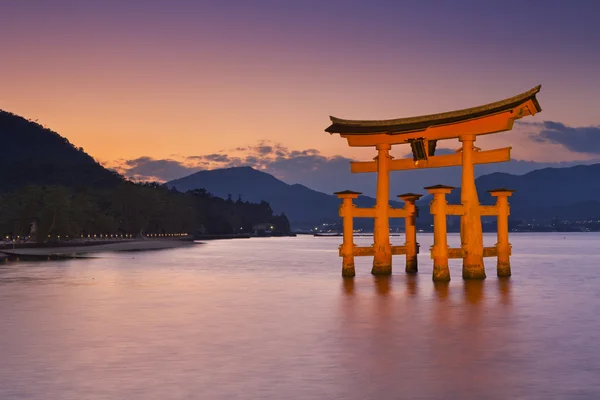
303,206
33,155
566,193
46,179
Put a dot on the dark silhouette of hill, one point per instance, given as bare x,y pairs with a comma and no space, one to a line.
569,193
302,206
549,192
33,155
46,180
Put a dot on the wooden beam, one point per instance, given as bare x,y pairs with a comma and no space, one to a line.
455,252
397,213
370,213
490,251
363,212
397,250
481,126
449,160
488,211
455,209
360,251
358,167
492,156
531,107
458,252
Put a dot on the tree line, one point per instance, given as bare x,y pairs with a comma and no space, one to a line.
128,209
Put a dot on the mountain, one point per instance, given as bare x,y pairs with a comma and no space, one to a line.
572,192
304,207
46,180
32,154
547,193
567,193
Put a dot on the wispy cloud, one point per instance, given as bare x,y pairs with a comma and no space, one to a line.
267,156
150,169
585,139
330,173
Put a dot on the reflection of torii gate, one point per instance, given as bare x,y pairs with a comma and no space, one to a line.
422,133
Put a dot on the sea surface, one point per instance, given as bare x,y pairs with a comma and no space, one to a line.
271,318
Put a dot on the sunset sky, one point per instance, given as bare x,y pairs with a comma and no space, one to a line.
160,89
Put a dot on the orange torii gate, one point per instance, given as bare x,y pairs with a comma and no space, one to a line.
423,133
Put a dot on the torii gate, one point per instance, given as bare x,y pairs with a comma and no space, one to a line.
422,133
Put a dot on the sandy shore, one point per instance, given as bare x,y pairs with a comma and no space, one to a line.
130,245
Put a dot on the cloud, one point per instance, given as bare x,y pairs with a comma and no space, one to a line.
584,139
265,149
150,169
217,158
305,166
327,174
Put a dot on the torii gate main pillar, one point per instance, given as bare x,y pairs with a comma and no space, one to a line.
382,260
471,236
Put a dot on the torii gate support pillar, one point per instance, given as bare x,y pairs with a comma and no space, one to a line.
347,247
410,231
503,246
439,250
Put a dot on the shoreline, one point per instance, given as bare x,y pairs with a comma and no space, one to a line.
73,249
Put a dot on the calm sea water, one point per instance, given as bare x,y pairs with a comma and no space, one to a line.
273,319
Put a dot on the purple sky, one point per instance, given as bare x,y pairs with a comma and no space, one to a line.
153,87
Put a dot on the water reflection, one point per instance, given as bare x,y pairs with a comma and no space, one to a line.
217,323
412,284
383,285
474,291
348,286
441,290
447,328
505,290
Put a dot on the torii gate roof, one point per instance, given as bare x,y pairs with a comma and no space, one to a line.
347,127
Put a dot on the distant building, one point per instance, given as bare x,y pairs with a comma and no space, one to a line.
262,228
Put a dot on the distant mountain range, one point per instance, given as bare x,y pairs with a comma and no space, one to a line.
33,154
304,207
548,193
568,193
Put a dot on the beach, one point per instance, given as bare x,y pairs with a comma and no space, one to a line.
86,248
